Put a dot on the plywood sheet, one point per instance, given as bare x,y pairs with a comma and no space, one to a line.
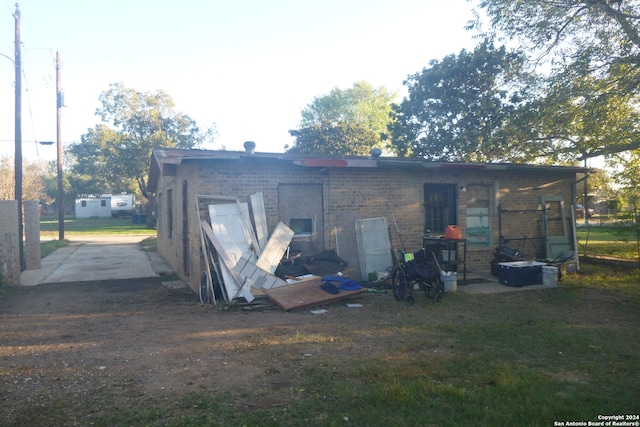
305,294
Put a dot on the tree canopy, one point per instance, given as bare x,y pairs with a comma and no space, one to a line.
114,156
459,108
591,49
349,121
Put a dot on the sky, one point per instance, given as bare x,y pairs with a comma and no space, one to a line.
248,66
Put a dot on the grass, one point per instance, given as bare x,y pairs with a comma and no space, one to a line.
528,358
609,240
93,226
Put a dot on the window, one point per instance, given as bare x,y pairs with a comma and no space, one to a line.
301,226
103,203
83,203
440,207
478,215
170,213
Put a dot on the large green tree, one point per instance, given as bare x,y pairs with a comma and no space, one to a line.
114,156
591,52
345,121
460,108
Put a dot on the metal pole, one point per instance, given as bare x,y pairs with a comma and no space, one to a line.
59,103
18,137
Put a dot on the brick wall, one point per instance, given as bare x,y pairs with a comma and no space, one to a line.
515,210
32,235
9,250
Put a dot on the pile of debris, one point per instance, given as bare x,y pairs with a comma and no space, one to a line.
241,263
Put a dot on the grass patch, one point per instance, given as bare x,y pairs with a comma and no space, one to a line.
611,241
94,226
49,246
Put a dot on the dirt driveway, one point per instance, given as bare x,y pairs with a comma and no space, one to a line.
93,347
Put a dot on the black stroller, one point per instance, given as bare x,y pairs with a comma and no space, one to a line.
416,271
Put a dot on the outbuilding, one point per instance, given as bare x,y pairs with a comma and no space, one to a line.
93,206
329,201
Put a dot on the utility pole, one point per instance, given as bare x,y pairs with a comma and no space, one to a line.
18,137
59,103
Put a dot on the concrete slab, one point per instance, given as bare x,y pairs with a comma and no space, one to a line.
91,258
483,282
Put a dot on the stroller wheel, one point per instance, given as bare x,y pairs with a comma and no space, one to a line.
409,300
438,297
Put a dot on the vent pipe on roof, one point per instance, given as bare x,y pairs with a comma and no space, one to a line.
375,152
250,147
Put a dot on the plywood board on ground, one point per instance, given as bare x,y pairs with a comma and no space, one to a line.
305,294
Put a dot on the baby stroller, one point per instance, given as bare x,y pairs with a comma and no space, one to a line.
416,271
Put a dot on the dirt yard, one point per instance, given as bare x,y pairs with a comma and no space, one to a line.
72,354
93,347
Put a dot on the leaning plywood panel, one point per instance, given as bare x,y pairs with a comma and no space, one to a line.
275,248
305,294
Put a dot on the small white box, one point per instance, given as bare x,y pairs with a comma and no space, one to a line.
446,254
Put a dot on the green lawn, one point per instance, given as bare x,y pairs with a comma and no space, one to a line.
93,226
609,240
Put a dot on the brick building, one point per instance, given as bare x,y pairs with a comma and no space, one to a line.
527,207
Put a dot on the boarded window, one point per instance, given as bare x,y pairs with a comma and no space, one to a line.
300,206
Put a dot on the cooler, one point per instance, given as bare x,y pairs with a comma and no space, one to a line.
520,273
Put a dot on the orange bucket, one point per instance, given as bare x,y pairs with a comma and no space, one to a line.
452,232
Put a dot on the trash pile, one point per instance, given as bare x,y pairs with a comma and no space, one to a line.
241,263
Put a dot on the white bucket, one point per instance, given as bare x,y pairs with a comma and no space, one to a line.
549,275
450,281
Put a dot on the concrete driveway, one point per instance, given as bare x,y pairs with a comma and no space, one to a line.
91,258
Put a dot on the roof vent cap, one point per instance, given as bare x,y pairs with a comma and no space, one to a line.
376,152
250,147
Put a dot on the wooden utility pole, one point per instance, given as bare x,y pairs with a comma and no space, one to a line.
18,137
59,102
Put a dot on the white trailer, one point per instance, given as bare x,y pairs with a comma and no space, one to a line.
122,204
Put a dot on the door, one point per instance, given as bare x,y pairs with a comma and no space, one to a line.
94,208
229,223
554,227
185,229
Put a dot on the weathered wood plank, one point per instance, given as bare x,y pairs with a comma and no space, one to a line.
305,294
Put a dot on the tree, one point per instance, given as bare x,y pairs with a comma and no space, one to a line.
592,51
627,176
34,175
359,116
459,108
114,156
333,139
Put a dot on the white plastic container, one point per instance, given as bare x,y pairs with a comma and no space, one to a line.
549,275
450,281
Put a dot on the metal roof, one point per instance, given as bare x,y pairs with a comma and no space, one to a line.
178,156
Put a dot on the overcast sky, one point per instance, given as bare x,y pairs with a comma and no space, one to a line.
249,66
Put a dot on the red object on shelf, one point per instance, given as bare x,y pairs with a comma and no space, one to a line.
452,232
